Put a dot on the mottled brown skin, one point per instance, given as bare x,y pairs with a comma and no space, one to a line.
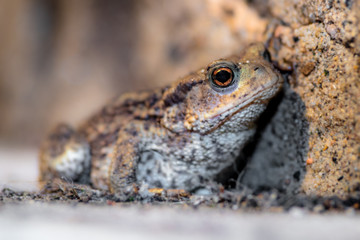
177,137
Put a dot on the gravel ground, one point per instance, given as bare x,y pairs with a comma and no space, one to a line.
62,211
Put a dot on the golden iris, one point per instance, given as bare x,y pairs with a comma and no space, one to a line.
222,77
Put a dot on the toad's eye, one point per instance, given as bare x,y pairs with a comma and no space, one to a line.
222,77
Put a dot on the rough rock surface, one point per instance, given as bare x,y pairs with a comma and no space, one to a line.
321,41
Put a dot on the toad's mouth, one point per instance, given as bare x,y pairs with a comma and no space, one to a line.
226,115
246,102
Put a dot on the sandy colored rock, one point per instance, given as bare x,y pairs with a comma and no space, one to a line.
307,68
326,33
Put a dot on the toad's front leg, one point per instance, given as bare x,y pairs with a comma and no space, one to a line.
132,141
122,171
138,155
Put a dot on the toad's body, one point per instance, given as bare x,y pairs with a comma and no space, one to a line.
176,137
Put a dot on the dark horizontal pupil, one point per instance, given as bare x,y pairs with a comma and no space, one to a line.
223,76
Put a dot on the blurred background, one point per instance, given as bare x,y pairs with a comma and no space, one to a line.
61,60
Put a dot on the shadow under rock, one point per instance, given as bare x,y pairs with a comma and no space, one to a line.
275,158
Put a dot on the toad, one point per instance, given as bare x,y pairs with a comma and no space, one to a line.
176,137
